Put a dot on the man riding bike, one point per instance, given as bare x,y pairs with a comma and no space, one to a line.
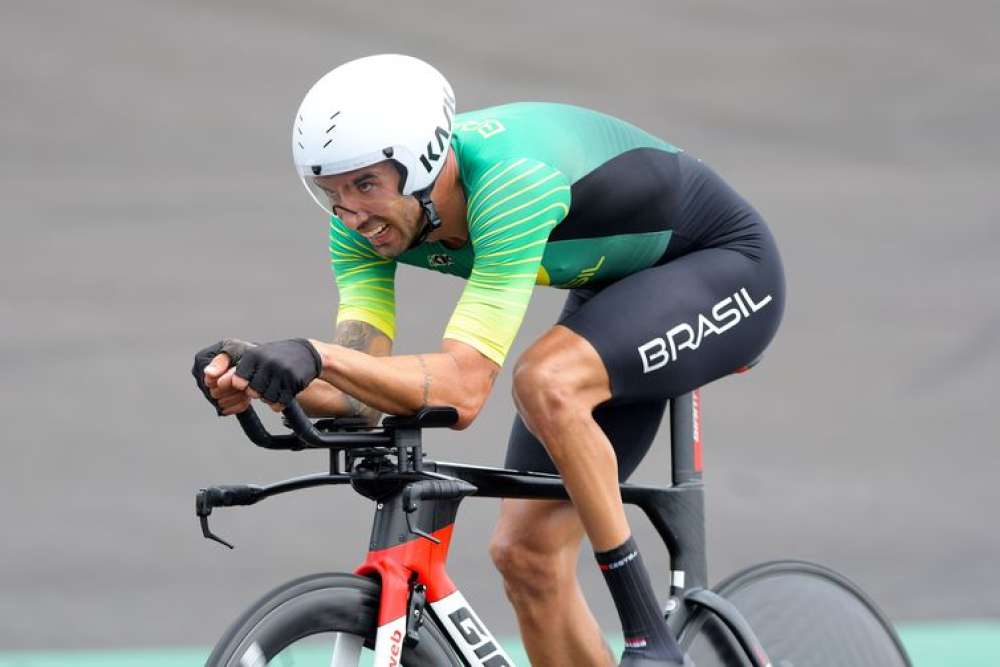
674,281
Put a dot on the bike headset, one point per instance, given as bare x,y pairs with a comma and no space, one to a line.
382,107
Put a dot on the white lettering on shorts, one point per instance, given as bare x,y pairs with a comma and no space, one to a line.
724,315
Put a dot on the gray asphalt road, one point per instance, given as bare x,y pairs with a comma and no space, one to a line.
149,207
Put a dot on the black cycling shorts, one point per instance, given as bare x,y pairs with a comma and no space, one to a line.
669,329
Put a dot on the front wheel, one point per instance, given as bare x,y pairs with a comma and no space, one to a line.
804,615
326,620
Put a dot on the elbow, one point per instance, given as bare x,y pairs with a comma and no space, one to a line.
463,422
469,384
468,410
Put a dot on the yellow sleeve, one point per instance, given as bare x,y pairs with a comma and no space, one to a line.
365,280
512,209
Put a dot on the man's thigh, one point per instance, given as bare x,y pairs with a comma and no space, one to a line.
630,427
661,333
670,329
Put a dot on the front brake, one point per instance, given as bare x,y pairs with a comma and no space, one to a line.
223,496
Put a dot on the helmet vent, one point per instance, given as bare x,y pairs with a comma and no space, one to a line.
334,125
328,143
301,146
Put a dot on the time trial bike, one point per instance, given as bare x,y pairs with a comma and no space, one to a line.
399,607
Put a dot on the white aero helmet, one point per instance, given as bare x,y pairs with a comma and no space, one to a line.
372,109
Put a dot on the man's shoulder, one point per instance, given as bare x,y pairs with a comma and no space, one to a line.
517,117
571,139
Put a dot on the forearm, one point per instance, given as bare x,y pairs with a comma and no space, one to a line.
402,384
322,399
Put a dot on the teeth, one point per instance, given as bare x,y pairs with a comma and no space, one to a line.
378,231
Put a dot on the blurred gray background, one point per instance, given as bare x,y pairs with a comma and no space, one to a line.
149,207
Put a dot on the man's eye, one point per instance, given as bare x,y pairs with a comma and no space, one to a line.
367,186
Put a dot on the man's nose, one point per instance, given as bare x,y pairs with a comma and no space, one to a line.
353,218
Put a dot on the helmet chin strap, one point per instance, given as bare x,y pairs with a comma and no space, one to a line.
430,215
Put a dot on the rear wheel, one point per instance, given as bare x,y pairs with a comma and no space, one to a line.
804,615
326,620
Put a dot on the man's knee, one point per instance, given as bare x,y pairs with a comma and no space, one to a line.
557,377
535,547
528,574
540,391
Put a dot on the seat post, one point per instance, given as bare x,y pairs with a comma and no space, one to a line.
685,438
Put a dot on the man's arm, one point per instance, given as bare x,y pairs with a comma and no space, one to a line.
322,399
510,216
459,376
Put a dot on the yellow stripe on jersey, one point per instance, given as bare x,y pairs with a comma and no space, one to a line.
485,187
505,211
512,208
508,253
365,280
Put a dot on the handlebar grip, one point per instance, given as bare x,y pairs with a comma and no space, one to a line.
242,494
227,496
251,425
300,423
258,434
305,432
435,489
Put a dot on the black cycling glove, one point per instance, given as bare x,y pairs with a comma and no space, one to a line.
234,347
278,371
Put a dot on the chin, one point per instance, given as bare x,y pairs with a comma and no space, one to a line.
393,250
389,251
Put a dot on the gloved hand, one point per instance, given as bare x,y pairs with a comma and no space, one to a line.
278,371
210,364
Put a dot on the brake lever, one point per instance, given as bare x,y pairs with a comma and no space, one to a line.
203,508
417,531
438,489
206,531
410,505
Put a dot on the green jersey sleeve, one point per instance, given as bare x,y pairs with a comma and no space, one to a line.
365,280
512,207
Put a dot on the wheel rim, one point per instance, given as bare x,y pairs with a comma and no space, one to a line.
326,649
323,620
804,616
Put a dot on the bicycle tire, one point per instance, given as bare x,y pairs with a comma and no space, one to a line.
343,604
805,615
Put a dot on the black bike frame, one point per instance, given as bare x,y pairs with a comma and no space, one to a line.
676,511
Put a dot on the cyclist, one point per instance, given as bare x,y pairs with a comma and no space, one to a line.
674,281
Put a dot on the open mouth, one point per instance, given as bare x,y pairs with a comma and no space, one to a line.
377,235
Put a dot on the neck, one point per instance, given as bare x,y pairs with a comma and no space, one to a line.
449,197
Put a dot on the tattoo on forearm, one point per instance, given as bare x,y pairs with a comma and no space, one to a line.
360,409
359,336
427,379
356,335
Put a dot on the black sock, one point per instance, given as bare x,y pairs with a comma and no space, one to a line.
645,630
